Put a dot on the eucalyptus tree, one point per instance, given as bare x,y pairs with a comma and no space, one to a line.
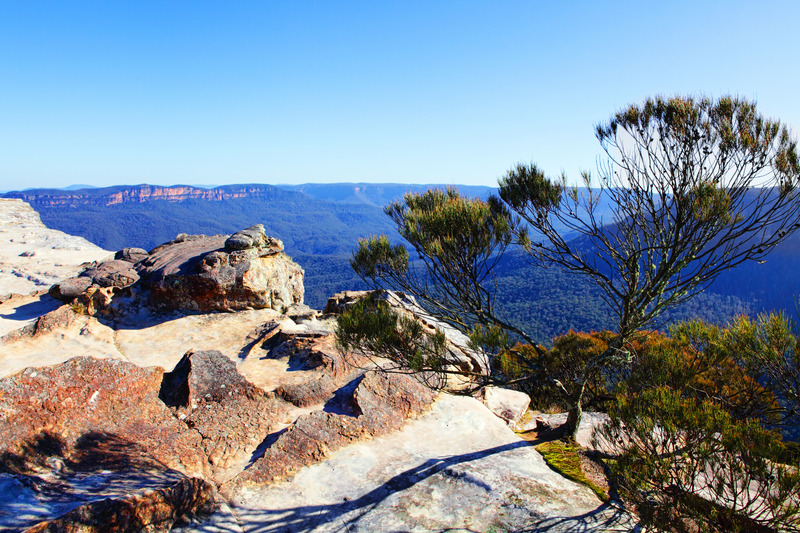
696,187
455,245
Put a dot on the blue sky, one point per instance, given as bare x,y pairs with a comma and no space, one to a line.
200,92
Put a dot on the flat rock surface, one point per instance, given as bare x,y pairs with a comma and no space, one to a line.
33,257
458,468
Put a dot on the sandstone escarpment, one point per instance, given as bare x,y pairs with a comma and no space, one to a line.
141,193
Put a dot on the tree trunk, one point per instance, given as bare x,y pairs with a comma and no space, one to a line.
570,427
574,415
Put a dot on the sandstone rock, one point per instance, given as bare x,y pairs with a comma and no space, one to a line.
34,257
69,289
311,347
308,393
382,402
59,318
95,300
253,237
199,273
152,510
116,273
232,416
457,468
544,422
510,405
86,395
131,255
339,301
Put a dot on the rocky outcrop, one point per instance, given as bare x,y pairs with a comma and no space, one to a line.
32,256
86,395
200,273
379,404
457,468
247,270
460,356
510,405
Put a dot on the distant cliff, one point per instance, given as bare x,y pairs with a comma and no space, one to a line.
139,193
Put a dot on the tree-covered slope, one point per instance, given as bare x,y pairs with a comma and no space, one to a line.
321,235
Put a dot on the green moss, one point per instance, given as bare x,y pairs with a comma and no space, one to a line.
565,459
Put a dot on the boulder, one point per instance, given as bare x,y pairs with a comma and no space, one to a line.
200,273
510,405
69,289
253,237
115,273
131,255
232,415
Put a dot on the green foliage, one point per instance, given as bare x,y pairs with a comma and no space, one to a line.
696,188
687,465
768,349
457,242
372,328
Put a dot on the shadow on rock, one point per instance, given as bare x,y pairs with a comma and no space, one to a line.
49,477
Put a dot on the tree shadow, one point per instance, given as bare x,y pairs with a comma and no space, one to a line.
608,517
345,516
48,476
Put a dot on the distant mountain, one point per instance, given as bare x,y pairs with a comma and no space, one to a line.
377,194
320,225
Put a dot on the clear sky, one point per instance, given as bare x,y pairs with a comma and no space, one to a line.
428,91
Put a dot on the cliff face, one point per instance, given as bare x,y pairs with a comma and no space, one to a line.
32,256
139,194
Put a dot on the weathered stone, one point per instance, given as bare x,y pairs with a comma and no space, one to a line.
544,422
339,301
459,356
34,257
95,300
200,274
131,255
253,237
381,403
231,414
116,273
152,510
457,468
69,289
510,405
308,393
86,395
